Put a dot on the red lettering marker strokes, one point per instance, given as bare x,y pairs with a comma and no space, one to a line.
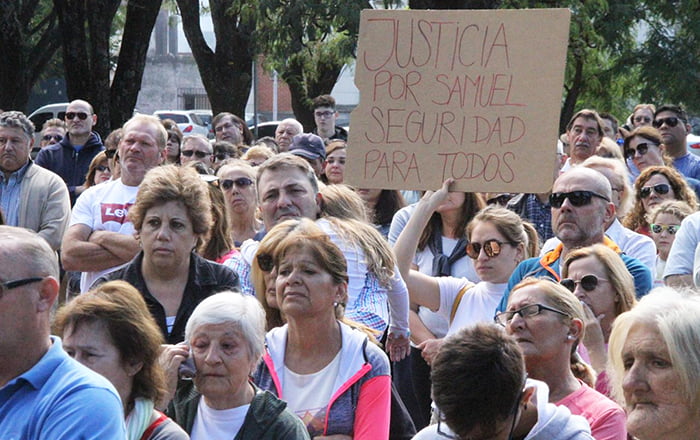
115,212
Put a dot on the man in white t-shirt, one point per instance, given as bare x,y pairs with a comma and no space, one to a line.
100,236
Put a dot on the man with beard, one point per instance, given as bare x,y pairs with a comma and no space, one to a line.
581,207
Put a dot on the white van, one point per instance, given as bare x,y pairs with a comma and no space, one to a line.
43,114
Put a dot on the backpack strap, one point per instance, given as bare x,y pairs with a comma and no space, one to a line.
458,299
147,433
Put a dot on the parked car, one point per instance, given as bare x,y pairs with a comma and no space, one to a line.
188,121
264,129
43,114
206,116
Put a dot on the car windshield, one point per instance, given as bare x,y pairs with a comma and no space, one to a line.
179,119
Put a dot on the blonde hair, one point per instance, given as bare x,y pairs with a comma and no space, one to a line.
615,270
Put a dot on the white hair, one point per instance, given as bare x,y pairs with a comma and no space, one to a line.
228,307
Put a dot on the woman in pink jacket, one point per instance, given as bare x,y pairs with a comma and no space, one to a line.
331,375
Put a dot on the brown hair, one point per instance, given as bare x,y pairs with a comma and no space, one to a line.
636,218
92,169
473,203
615,271
131,327
171,183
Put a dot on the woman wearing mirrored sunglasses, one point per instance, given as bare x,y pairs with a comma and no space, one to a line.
547,320
665,220
600,280
237,181
655,185
498,240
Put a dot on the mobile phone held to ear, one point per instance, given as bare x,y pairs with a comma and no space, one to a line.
187,368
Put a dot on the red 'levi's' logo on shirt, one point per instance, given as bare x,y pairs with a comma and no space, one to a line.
114,212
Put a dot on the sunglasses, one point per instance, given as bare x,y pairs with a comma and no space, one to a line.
671,122
56,137
576,198
241,182
199,154
102,168
222,156
657,229
660,189
501,199
588,282
492,248
110,153
641,149
81,115
265,262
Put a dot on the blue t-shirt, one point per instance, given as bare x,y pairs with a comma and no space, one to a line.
58,398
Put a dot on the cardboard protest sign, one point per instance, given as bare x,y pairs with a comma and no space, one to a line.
474,95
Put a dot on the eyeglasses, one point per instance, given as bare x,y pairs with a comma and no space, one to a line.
9,285
110,153
657,228
222,156
492,248
56,137
528,311
670,121
641,149
588,282
660,189
241,182
576,198
102,168
324,114
265,262
81,115
645,119
199,154
501,199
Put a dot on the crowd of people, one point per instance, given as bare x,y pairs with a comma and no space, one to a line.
162,286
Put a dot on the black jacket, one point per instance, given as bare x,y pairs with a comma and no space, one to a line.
71,165
205,279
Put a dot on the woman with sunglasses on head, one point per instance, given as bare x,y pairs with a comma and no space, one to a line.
237,181
599,279
655,185
498,241
547,320
664,221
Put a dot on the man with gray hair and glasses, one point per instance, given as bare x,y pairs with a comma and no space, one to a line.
44,393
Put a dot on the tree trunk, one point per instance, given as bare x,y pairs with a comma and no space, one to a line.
26,49
86,54
140,18
572,94
226,73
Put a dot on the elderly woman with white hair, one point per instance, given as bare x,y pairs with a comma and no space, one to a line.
225,335
654,354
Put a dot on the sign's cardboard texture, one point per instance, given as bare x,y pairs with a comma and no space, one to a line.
473,95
